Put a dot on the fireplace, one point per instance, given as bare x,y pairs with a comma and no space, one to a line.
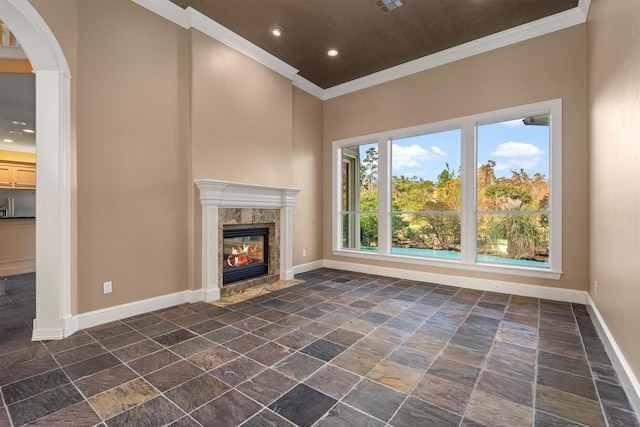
245,254
233,205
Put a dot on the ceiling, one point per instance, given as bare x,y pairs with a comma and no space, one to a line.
368,39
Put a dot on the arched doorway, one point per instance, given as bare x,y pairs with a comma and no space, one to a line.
53,227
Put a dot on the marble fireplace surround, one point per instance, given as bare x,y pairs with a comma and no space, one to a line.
216,195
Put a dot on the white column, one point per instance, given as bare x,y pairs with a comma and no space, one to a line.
53,210
286,243
210,282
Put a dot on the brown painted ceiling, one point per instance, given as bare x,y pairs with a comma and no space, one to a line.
368,39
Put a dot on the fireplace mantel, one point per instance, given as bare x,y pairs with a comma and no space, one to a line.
216,194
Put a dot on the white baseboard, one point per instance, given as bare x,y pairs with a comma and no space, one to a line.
523,289
43,334
110,314
303,268
627,378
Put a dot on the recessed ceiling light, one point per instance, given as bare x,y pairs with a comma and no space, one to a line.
8,140
332,52
28,131
18,122
15,132
276,31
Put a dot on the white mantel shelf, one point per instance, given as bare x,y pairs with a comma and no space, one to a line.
215,194
228,194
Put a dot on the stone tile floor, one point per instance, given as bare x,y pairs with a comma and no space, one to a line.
339,349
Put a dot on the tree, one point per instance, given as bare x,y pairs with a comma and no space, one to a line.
410,194
369,169
522,232
525,234
369,222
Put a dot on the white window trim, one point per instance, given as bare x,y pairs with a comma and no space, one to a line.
469,175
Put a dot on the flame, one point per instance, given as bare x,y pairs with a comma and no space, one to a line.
240,255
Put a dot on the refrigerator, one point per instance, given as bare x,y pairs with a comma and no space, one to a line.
17,203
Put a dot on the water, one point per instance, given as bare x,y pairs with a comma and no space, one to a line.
456,255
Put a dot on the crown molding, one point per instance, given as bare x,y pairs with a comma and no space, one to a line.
190,18
224,35
167,10
307,86
504,38
583,6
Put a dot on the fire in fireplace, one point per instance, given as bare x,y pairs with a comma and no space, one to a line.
245,254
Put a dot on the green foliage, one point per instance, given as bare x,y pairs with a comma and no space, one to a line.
522,232
369,223
410,194
526,235
369,169
503,189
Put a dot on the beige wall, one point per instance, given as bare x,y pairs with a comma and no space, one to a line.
154,107
307,175
614,173
241,116
544,68
241,123
131,163
128,136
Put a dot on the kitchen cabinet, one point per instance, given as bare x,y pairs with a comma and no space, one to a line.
17,176
18,253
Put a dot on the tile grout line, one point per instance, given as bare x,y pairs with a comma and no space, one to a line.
430,364
486,356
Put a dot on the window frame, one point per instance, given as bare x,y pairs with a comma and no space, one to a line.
468,125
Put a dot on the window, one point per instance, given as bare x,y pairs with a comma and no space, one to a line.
425,194
512,191
360,197
479,192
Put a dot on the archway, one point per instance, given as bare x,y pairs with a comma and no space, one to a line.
53,228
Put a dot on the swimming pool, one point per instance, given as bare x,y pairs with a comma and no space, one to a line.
456,255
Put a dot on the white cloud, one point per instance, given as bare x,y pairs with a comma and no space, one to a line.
438,150
516,164
517,149
517,155
411,156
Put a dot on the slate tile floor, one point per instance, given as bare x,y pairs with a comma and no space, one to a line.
339,349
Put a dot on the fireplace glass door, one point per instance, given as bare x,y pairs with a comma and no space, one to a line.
245,254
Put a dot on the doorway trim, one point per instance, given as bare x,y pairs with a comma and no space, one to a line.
53,194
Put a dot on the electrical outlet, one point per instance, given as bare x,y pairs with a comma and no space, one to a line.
304,252
107,287
595,286
495,286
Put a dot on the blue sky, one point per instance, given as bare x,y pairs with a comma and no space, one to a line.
426,156
512,145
